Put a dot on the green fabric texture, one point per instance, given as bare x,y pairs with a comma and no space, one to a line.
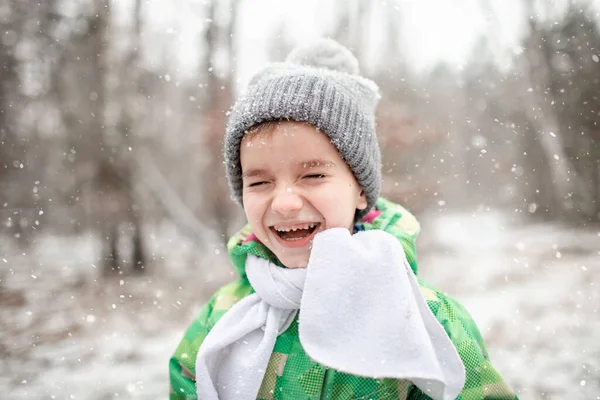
292,375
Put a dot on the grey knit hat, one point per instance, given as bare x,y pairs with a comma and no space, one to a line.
319,83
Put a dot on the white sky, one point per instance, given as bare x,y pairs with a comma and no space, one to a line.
432,30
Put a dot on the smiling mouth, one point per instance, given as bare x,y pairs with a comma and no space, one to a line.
297,233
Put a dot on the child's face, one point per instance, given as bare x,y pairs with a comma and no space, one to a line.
294,178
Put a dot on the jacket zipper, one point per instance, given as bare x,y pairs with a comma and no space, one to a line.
326,391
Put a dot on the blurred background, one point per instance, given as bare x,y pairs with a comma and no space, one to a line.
114,210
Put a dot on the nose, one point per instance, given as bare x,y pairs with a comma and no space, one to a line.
286,201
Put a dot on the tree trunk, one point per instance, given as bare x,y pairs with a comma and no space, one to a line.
543,118
105,175
9,87
542,205
111,264
219,98
139,254
538,106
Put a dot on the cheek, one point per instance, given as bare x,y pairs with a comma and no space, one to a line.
332,206
253,210
340,194
337,204
323,199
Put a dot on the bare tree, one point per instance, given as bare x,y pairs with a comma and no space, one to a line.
23,85
102,180
129,77
218,98
575,85
8,89
538,103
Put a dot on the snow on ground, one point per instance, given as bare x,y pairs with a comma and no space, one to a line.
68,333
532,289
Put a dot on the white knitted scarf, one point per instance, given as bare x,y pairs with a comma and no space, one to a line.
361,312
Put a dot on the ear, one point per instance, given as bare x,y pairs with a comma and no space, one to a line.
362,201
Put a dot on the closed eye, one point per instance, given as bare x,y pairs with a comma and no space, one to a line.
255,184
315,176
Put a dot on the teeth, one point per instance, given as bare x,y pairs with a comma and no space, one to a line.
283,229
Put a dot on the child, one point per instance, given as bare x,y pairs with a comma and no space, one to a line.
327,305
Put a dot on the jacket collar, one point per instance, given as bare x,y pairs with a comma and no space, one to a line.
386,216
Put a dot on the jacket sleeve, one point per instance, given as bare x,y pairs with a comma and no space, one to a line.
482,380
182,365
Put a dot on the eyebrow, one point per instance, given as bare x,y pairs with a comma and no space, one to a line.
316,162
313,163
254,172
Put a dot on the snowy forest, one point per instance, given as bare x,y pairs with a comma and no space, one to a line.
115,213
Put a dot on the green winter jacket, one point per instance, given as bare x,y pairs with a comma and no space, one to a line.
292,375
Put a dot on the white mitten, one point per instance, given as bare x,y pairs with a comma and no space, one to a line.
363,313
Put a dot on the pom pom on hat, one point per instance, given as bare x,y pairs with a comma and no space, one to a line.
325,53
